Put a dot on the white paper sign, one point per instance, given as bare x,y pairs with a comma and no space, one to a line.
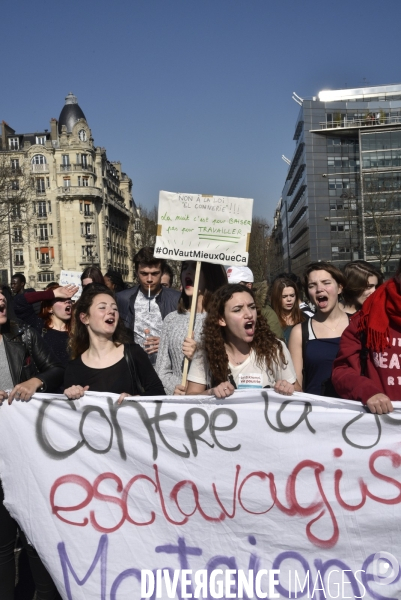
72,278
213,229
306,487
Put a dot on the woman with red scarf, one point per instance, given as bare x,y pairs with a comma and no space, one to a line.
368,365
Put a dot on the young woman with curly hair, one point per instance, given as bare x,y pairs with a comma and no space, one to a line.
104,357
285,302
238,349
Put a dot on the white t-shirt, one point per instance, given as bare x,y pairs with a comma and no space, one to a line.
248,374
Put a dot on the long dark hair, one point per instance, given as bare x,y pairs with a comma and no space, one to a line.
93,273
215,276
267,347
296,314
79,341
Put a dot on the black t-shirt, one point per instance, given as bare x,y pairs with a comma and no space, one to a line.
116,379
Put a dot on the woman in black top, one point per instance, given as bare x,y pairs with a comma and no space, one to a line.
104,357
54,320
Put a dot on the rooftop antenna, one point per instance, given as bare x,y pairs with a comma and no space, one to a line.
285,159
297,98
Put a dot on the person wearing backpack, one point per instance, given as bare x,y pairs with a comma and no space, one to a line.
314,343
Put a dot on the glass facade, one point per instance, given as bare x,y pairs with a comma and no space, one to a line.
342,196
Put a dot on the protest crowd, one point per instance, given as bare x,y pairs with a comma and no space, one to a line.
334,333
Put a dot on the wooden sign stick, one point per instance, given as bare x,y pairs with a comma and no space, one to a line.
192,318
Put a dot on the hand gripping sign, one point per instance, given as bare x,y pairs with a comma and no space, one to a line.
214,229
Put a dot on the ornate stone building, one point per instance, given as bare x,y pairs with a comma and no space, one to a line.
82,210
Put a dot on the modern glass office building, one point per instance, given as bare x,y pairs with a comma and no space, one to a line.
342,196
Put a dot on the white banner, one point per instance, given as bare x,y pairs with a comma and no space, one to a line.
212,229
274,494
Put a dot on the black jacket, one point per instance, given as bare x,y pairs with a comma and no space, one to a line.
167,300
28,356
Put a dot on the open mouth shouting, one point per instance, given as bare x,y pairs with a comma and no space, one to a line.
3,308
67,309
189,282
111,320
322,300
250,328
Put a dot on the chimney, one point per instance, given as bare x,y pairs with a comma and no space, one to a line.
53,130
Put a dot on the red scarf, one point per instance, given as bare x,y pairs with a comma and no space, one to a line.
376,313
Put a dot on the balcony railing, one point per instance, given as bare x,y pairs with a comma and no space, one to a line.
80,190
18,262
40,192
40,168
17,240
45,261
63,168
81,167
42,215
365,122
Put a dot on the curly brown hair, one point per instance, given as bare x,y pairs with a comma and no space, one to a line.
79,340
267,347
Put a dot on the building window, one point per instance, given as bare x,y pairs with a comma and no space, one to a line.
18,257
44,255
49,206
86,228
46,277
87,209
15,184
17,234
16,212
85,181
43,232
48,182
41,208
65,160
87,252
67,182
82,135
40,185
38,159
41,139
13,143
15,164
84,161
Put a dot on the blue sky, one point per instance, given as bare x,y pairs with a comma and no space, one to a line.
191,95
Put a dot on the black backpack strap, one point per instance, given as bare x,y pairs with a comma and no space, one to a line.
305,340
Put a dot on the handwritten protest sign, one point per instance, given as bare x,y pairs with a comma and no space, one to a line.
72,278
295,492
213,229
